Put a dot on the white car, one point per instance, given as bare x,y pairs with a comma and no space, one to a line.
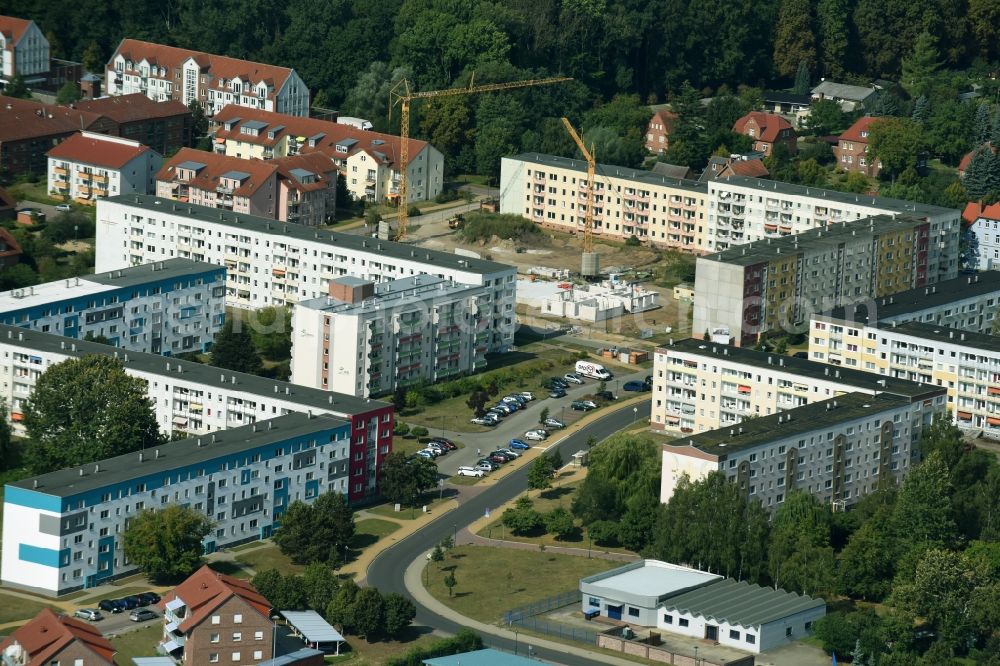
64,208
471,471
527,395
536,435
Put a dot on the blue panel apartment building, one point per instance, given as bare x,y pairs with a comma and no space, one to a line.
64,531
168,307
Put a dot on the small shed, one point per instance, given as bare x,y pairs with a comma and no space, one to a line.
580,458
314,630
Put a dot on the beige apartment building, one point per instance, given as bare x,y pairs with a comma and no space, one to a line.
552,192
700,385
966,363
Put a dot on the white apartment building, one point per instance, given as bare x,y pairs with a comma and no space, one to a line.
966,364
170,307
984,227
368,339
271,263
165,72
700,385
196,399
552,192
24,50
742,210
88,166
836,449
369,162
63,531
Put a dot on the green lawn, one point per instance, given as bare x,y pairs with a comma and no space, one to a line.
370,530
37,192
139,643
359,652
268,557
407,513
13,609
494,580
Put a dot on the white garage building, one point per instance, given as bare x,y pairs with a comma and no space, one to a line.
694,603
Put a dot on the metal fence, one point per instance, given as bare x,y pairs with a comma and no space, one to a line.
526,617
542,606
557,630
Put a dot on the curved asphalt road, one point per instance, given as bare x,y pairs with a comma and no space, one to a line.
386,571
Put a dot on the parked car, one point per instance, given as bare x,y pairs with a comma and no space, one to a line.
482,420
573,378
527,395
425,454
142,614
111,605
558,393
437,446
448,444
555,382
583,405
649,380
554,423
497,458
91,614
517,444
635,386
801,354
506,455
536,435
513,400
471,471
64,208
489,464
150,597
504,409
605,395
484,466
130,602
510,452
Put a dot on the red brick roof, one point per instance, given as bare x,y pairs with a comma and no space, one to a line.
666,118
853,133
318,163
13,28
296,126
975,210
771,124
132,108
48,634
103,152
220,67
215,167
751,168
206,589
22,119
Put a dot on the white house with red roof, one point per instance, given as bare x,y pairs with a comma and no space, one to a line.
983,221
88,166
24,51
851,150
50,639
166,72
368,161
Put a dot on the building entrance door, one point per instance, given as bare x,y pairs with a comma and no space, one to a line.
615,612
711,632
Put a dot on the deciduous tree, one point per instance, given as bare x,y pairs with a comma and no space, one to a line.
794,40
559,523
540,473
167,543
399,613
896,142
522,518
317,532
368,612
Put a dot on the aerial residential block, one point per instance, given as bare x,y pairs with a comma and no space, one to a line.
984,226
700,605
837,449
88,166
966,363
368,339
699,386
775,284
369,162
552,192
301,189
170,307
165,72
196,399
63,530
24,51
164,126
271,263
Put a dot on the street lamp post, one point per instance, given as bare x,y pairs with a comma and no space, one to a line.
635,415
590,542
515,642
454,538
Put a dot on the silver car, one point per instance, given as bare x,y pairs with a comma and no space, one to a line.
91,614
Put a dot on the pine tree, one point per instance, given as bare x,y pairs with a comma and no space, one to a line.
922,109
920,69
992,175
858,655
802,79
885,104
984,124
995,133
976,179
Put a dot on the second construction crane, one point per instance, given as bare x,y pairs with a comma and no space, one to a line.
590,262
402,95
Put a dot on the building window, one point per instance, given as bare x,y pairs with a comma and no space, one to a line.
213,658
788,631
751,639
214,638
633,612
237,636
216,619
594,601
683,621
258,635
735,635
238,618
668,619
236,656
258,655
809,625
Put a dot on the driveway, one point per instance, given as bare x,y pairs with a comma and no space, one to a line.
50,211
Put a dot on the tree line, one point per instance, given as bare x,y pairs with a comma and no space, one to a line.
928,549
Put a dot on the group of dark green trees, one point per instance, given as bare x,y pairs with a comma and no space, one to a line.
928,548
42,260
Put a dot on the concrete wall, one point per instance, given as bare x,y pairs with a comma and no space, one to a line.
718,297
662,655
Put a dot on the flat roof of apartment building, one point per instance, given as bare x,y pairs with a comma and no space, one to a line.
919,299
833,196
175,455
968,339
821,415
84,285
216,378
813,240
351,242
801,367
611,171
404,291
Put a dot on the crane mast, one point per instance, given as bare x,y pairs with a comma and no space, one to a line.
590,260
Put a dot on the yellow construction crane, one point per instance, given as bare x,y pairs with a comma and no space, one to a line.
590,266
402,95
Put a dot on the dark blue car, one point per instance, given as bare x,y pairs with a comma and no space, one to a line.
635,386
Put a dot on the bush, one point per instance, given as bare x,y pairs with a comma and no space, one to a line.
446,195
413,211
604,532
401,429
483,226
559,523
418,431
633,241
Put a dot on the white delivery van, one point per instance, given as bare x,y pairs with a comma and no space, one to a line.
359,123
592,370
